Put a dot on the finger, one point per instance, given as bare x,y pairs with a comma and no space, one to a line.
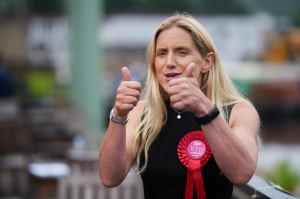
172,90
184,82
178,88
124,96
129,99
124,91
123,109
175,98
188,72
126,75
132,84
133,92
176,81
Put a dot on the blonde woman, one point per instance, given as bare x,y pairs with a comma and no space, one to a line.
191,135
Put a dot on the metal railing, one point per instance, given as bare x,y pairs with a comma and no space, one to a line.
258,188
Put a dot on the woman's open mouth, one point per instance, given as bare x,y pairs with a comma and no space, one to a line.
172,75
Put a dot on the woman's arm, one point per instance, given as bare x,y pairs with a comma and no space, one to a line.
235,145
118,151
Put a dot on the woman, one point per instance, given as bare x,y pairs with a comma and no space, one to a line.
192,134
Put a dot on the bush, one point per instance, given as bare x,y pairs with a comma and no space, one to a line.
285,176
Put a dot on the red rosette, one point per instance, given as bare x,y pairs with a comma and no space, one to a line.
193,152
201,154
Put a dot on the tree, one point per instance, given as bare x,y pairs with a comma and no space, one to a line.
42,7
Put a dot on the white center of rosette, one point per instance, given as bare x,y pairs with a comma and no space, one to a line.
196,149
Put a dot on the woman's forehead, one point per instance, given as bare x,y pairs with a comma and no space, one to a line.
174,35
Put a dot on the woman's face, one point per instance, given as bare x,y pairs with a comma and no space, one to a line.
175,50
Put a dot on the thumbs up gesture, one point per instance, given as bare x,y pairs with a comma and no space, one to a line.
188,72
128,94
185,93
126,75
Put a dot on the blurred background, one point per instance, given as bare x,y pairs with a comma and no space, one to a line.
60,65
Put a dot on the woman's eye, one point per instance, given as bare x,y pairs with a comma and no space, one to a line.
183,52
161,53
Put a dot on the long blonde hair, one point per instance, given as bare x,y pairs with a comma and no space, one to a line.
215,84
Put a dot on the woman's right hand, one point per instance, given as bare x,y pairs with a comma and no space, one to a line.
128,94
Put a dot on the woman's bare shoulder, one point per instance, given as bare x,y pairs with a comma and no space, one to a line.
244,106
244,111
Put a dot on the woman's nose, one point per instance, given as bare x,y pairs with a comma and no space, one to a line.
171,62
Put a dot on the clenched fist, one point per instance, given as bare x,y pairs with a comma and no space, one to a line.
128,94
186,95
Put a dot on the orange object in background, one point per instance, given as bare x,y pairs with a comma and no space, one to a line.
284,47
294,44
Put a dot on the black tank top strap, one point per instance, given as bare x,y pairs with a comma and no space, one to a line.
227,110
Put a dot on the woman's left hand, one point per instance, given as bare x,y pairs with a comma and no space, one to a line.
185,94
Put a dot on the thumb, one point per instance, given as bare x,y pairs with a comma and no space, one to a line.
188,72
126,75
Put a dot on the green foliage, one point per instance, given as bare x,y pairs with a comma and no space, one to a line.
212,7
11,6
168,5
285,176
296,19
113,6
202,7
40,84
46,7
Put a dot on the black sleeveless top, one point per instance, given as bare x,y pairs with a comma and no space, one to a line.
165,176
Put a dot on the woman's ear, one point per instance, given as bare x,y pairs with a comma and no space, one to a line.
208,62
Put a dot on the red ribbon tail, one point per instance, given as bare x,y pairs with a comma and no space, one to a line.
198,180
189,185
